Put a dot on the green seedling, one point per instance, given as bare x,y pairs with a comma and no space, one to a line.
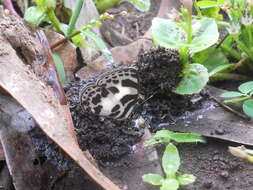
166,136
238,43
188,36
44,11
171,160
244,95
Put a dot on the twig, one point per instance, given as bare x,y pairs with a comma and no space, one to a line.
63,40
239,63
228,76
230,109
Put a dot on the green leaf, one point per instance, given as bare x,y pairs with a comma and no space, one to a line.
194,79
249,151
209,4
231,94
46,3
170,184
142,5
77,41
220,68
35,15
64,28
206,4
246,87
99,44
170,160
221,2
170,35
205,34
213,12
167,34
187,137
153,179
59,66
248,107
202,56
186,179
212,58
162,136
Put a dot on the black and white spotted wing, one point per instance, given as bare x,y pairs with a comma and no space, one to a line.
114,95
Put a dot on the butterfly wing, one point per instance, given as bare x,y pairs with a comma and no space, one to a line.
114,95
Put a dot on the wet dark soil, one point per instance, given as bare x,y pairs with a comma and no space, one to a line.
106,139
136,23
109,139
59,172
215,167
160,71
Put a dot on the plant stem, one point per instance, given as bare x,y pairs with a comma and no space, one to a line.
222,23
243,47
91,24
55,45
230,51
75,16
188,20
68,37
183,54
228,76
230,109
238,64
54,20
197,9
238,99
249,33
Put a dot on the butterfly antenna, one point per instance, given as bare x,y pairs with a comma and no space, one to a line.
145,100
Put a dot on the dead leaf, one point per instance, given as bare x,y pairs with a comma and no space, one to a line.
39,100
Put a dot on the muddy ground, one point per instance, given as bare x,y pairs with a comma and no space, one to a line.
211,163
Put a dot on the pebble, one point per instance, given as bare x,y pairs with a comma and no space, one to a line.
219,131
208,184
224,174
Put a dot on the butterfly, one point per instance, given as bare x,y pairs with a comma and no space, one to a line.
114,94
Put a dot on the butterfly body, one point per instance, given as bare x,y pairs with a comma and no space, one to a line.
114,94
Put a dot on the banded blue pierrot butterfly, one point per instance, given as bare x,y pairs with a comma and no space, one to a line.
114,94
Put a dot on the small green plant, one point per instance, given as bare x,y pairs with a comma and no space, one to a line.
44,11
171,160
244,95
238,43
194,36
188,35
